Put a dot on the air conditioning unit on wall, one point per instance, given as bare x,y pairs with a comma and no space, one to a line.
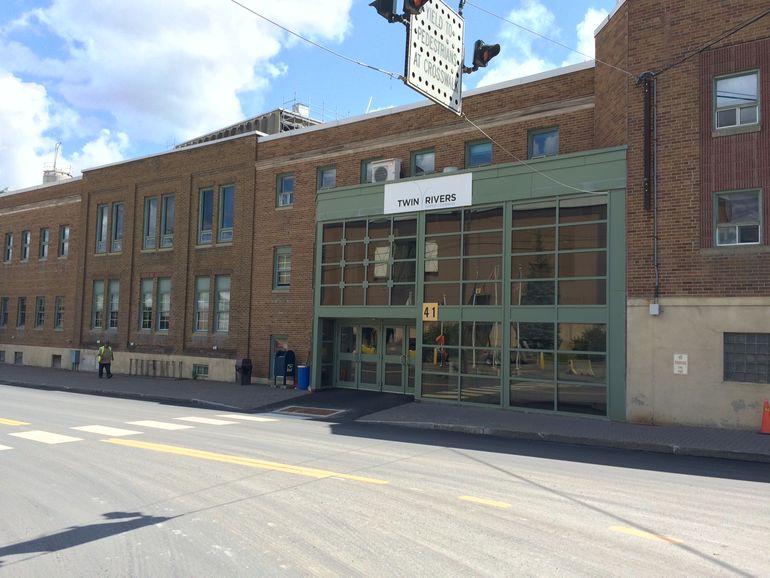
385,170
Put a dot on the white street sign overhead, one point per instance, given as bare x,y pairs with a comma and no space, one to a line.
434,60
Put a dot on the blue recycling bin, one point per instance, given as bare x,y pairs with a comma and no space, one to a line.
303,377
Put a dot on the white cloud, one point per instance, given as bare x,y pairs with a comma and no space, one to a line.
585,36
24,118
144,71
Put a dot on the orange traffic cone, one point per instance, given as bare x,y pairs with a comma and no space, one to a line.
765,429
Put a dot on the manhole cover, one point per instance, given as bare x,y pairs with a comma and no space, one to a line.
310,411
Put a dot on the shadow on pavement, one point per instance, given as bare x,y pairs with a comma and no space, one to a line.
613,457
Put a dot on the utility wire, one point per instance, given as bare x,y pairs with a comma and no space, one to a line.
544,37
530,166
322,47
715,41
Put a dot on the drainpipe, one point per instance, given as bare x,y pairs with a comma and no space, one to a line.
650,178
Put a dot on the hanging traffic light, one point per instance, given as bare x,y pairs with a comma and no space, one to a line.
414,6
483,53
385,8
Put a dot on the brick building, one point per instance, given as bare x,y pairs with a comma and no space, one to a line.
605,251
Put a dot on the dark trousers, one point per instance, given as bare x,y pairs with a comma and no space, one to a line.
107,366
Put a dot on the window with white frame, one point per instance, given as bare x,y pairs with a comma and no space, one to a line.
738,218
102,217
736,100
167,221
164,304
543,143
118,217
222,305
97,305
113,304
44,239
282,268
201,318
285,191
58,315
327,177
206,216
64,240
145,305
150,222
8,250
226,213
39,312
26,239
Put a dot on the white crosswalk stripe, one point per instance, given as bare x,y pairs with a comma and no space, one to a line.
159,424
2,447
247,417
45,437
205,420
103,430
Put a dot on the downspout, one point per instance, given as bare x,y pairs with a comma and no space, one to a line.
650,176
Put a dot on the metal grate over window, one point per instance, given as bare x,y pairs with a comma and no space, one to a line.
747,357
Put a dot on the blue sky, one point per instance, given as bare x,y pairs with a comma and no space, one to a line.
120,79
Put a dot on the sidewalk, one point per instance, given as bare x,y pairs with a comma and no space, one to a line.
395,410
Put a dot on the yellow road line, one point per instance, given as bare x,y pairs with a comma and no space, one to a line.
241,461
645,535
485,502
5,421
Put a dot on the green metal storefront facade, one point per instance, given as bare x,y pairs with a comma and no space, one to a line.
529,281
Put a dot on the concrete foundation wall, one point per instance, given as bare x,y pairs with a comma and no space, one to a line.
174,366
694,327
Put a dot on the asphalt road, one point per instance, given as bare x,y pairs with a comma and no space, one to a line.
94,486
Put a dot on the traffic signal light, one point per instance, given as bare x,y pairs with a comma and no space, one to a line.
483,53
414,6
385,8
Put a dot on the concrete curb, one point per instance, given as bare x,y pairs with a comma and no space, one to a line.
664,448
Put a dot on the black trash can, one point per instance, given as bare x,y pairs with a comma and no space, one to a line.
243,371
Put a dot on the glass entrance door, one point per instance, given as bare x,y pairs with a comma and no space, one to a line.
376,356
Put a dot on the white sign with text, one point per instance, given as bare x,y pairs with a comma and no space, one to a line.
429,194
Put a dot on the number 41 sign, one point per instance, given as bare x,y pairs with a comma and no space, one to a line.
429,311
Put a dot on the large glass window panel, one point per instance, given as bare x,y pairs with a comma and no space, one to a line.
423,163
537,365
478,154
533,266
377,295
543,143
330,295
4,307
353,295
118,217
583,337
331,274
282,268
444,270
404,272
583,292
405,227
355,251
440,386
332,232
21,312
39,312
64,240
737,100
355,230
44,240
534,214
532,394
206,217
354,273
327,177
402,295
226,213
448,246
167,221
482,270
446,222
533,240
222,311
528,292
113,304
590,264
26,239
331,253
285,191
532,335
379,261
478,389
582,367
58,317
592,236
586,399
442,293
102,218
150,222
483,243
201,321
145,311
582,209
379,228
483,219
164,304
97,305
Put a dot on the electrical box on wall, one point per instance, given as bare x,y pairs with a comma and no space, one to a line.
654,309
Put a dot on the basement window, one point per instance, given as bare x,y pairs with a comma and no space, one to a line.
747,357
